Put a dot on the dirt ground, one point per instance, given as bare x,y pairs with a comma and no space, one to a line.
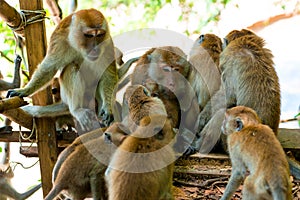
205,177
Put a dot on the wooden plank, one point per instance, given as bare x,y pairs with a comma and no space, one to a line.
289,138
36,45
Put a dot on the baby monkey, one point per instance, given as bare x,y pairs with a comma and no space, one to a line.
254,147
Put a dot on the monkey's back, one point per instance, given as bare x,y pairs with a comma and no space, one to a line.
250,78
262,154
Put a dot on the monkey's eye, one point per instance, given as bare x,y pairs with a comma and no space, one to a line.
154,94
54,90
88,35
100,35
159,135
176,69
167,68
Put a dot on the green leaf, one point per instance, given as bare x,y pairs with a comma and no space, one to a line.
0,149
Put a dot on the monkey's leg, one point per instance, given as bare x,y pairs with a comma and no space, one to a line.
125,67
53,110
54,192
235,181
98,187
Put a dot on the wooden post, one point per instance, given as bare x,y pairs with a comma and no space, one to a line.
35,35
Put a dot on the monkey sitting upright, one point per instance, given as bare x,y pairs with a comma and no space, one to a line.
254,147
142,167
80,172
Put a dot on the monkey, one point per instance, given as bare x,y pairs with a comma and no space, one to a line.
253,146
205,79
140,103
205,75
4,86
7,190
82,171
142,166
249,76
82,50
166,69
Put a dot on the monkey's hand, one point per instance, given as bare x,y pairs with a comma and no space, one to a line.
16,92
87,119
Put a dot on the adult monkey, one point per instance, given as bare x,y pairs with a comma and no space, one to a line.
82,50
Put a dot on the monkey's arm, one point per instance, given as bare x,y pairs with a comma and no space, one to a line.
17,81
46,71
125,67
234,182
53,110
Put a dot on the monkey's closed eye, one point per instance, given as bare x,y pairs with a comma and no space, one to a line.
146,92
100,35
167,68
88,35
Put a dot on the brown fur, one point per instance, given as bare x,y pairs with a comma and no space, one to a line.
142,167
250,79
82,171
254,147
80,48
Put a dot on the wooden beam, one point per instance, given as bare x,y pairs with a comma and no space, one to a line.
10,15
11,103
36,45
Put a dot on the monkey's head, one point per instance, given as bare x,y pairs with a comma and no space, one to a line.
88,32
232,35
136,94
237,118
169,68
209,41
154,132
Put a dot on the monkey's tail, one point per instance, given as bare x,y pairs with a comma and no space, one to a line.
30,192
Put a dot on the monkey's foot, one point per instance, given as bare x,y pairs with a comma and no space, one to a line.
106,118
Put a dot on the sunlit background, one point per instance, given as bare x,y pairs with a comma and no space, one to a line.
190,18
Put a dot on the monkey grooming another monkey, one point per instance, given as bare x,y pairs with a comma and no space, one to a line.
82,49
142,167
254,147
81,172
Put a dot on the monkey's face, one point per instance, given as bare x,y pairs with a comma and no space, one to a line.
231,124
91,42
237,34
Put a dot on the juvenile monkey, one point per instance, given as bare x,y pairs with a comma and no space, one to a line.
7,190
140,103
254,147
142,167
81,173
82,50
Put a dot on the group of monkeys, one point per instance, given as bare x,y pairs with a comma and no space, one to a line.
174,104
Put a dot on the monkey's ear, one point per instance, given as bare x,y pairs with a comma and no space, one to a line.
239,124
225,43
201,38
